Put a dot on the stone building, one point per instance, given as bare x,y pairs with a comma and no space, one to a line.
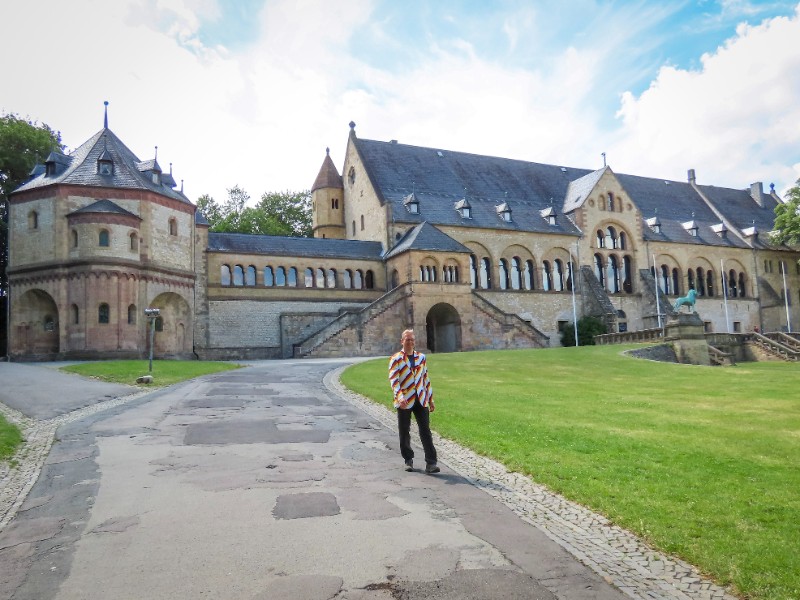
474,252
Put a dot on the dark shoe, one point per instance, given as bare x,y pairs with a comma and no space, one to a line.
409,465
434,468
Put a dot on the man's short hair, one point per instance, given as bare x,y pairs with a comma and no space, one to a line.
403,335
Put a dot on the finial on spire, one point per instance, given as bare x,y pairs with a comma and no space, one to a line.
352,125
170,168
156,152
181,186
327,151
105,114
604,158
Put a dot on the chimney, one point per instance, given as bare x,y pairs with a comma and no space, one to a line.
757,193
692,177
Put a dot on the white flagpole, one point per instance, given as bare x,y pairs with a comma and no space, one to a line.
786,297
725,296
574,310
658,303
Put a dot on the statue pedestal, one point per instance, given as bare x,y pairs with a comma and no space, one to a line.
686,334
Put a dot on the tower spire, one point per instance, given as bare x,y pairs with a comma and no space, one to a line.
105,115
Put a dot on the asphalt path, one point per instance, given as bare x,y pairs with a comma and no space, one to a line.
259,483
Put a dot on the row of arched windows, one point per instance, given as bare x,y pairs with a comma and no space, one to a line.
104,314
288,277
614,275
104,239
514,274
611,239
703,281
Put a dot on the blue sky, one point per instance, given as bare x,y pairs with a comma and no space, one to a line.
251,92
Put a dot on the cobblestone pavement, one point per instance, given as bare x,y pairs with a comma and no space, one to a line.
617,555
614,553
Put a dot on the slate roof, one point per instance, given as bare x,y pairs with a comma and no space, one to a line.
80,168
579,190
245,243
104,206
426,237
743,212
328,176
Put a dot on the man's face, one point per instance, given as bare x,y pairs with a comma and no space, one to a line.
408,343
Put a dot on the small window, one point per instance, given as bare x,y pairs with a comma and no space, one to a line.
330,278
610,201
159,324
335,203
354,227
103,239
238,275
173,226
292,279
225,275
369,279
319,280
737,327
250,276
707,327
347,279
132,314
362,222
76,315
49,323
308,277
269,278
351,175
103,313
74,235
134,242
33,220
358,280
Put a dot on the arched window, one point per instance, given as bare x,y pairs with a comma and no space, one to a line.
733,291
225,275
369,279
547,276
308,276
664,280
74,236
529,278
76,315
690,279
741,285
473,271
601,239
103,313
599,271
134,241
627,281
623,241
250,276
569,276
558,275
354,226
320,278
516,273
676,281
423,273
395,278
238,275
701,282
362,222
132,314
292,280
33,220
358,280
173,226
611,238
330,278
159,324
613,275
347,279
610,201
269,278
710,283
103,238
486,274
503,273
280,277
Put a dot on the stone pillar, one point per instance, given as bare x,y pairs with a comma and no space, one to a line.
686,334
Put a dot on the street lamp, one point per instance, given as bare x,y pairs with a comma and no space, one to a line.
152,315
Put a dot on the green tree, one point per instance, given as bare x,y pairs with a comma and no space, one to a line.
276,213
588,327
787,218
23,144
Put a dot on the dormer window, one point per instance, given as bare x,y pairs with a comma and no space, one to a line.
49,168
105,164
504,212
691,227
549,215
464,209
411,203
654,224
720,230
157,177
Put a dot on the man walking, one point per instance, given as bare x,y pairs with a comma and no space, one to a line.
408,376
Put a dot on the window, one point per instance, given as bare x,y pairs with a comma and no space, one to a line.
49,323
173,226
103,313
351,175
601,239
733,290
238,275
516,274
395,278
132,314
611,238
269,278
558,275
33,220
362,222
292,280
308,277
319,281
503,273
74,236
610,201
486,274
347,279
741,285
103,240
334,203
369,279
354,227
664,281
134,239
599,271
76,315
547,276
701,282
250,276
690,278
627,281
529,278
569,276
710,283
159,324
623,242
737,327
280,277
224,275
613,275
676,280
473,271
330,278
358,280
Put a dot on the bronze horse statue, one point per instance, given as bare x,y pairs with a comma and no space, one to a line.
687,300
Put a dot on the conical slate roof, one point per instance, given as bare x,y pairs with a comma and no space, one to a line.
328,176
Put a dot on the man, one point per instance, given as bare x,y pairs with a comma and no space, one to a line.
408,376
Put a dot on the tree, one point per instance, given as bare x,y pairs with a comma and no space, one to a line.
588,327
23,144
787,218
276,213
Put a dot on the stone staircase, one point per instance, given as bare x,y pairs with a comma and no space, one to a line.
787,339
774,348
649,291
719,358
596,300
510,323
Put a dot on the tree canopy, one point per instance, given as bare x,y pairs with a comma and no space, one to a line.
276,213
23,144
787,218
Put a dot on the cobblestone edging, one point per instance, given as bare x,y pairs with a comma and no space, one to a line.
17,480
614,553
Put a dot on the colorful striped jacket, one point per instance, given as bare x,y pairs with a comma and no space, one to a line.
408,386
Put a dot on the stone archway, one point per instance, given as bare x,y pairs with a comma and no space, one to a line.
443,326
35,324
175,320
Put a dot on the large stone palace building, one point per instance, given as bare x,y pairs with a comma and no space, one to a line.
474,252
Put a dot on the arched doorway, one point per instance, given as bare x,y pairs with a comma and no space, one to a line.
35,324
174,321
443,326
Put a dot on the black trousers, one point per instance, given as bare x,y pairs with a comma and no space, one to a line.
423,418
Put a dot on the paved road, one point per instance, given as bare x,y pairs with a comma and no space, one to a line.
260,484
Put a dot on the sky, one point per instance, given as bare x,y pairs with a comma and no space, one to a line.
252,92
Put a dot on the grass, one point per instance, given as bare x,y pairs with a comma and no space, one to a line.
702,462
10,438
165,372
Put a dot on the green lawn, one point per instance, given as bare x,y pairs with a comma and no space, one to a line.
10,438
165,372
703,462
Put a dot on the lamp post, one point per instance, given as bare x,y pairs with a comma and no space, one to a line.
152,315
658,302
574,279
